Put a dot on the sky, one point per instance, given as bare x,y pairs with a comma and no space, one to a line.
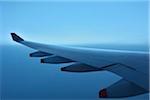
64,22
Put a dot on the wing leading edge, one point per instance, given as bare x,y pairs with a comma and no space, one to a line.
96,60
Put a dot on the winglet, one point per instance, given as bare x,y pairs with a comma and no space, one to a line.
16,38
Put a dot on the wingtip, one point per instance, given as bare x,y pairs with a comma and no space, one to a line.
16,38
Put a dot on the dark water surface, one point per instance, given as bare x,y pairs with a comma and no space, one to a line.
26,78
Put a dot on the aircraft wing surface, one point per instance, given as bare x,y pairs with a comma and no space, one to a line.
132,66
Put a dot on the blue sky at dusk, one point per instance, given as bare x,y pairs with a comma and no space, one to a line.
76,22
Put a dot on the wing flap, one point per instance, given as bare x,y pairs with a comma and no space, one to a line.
121,89
132,75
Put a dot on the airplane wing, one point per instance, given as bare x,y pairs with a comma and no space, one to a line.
132,66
